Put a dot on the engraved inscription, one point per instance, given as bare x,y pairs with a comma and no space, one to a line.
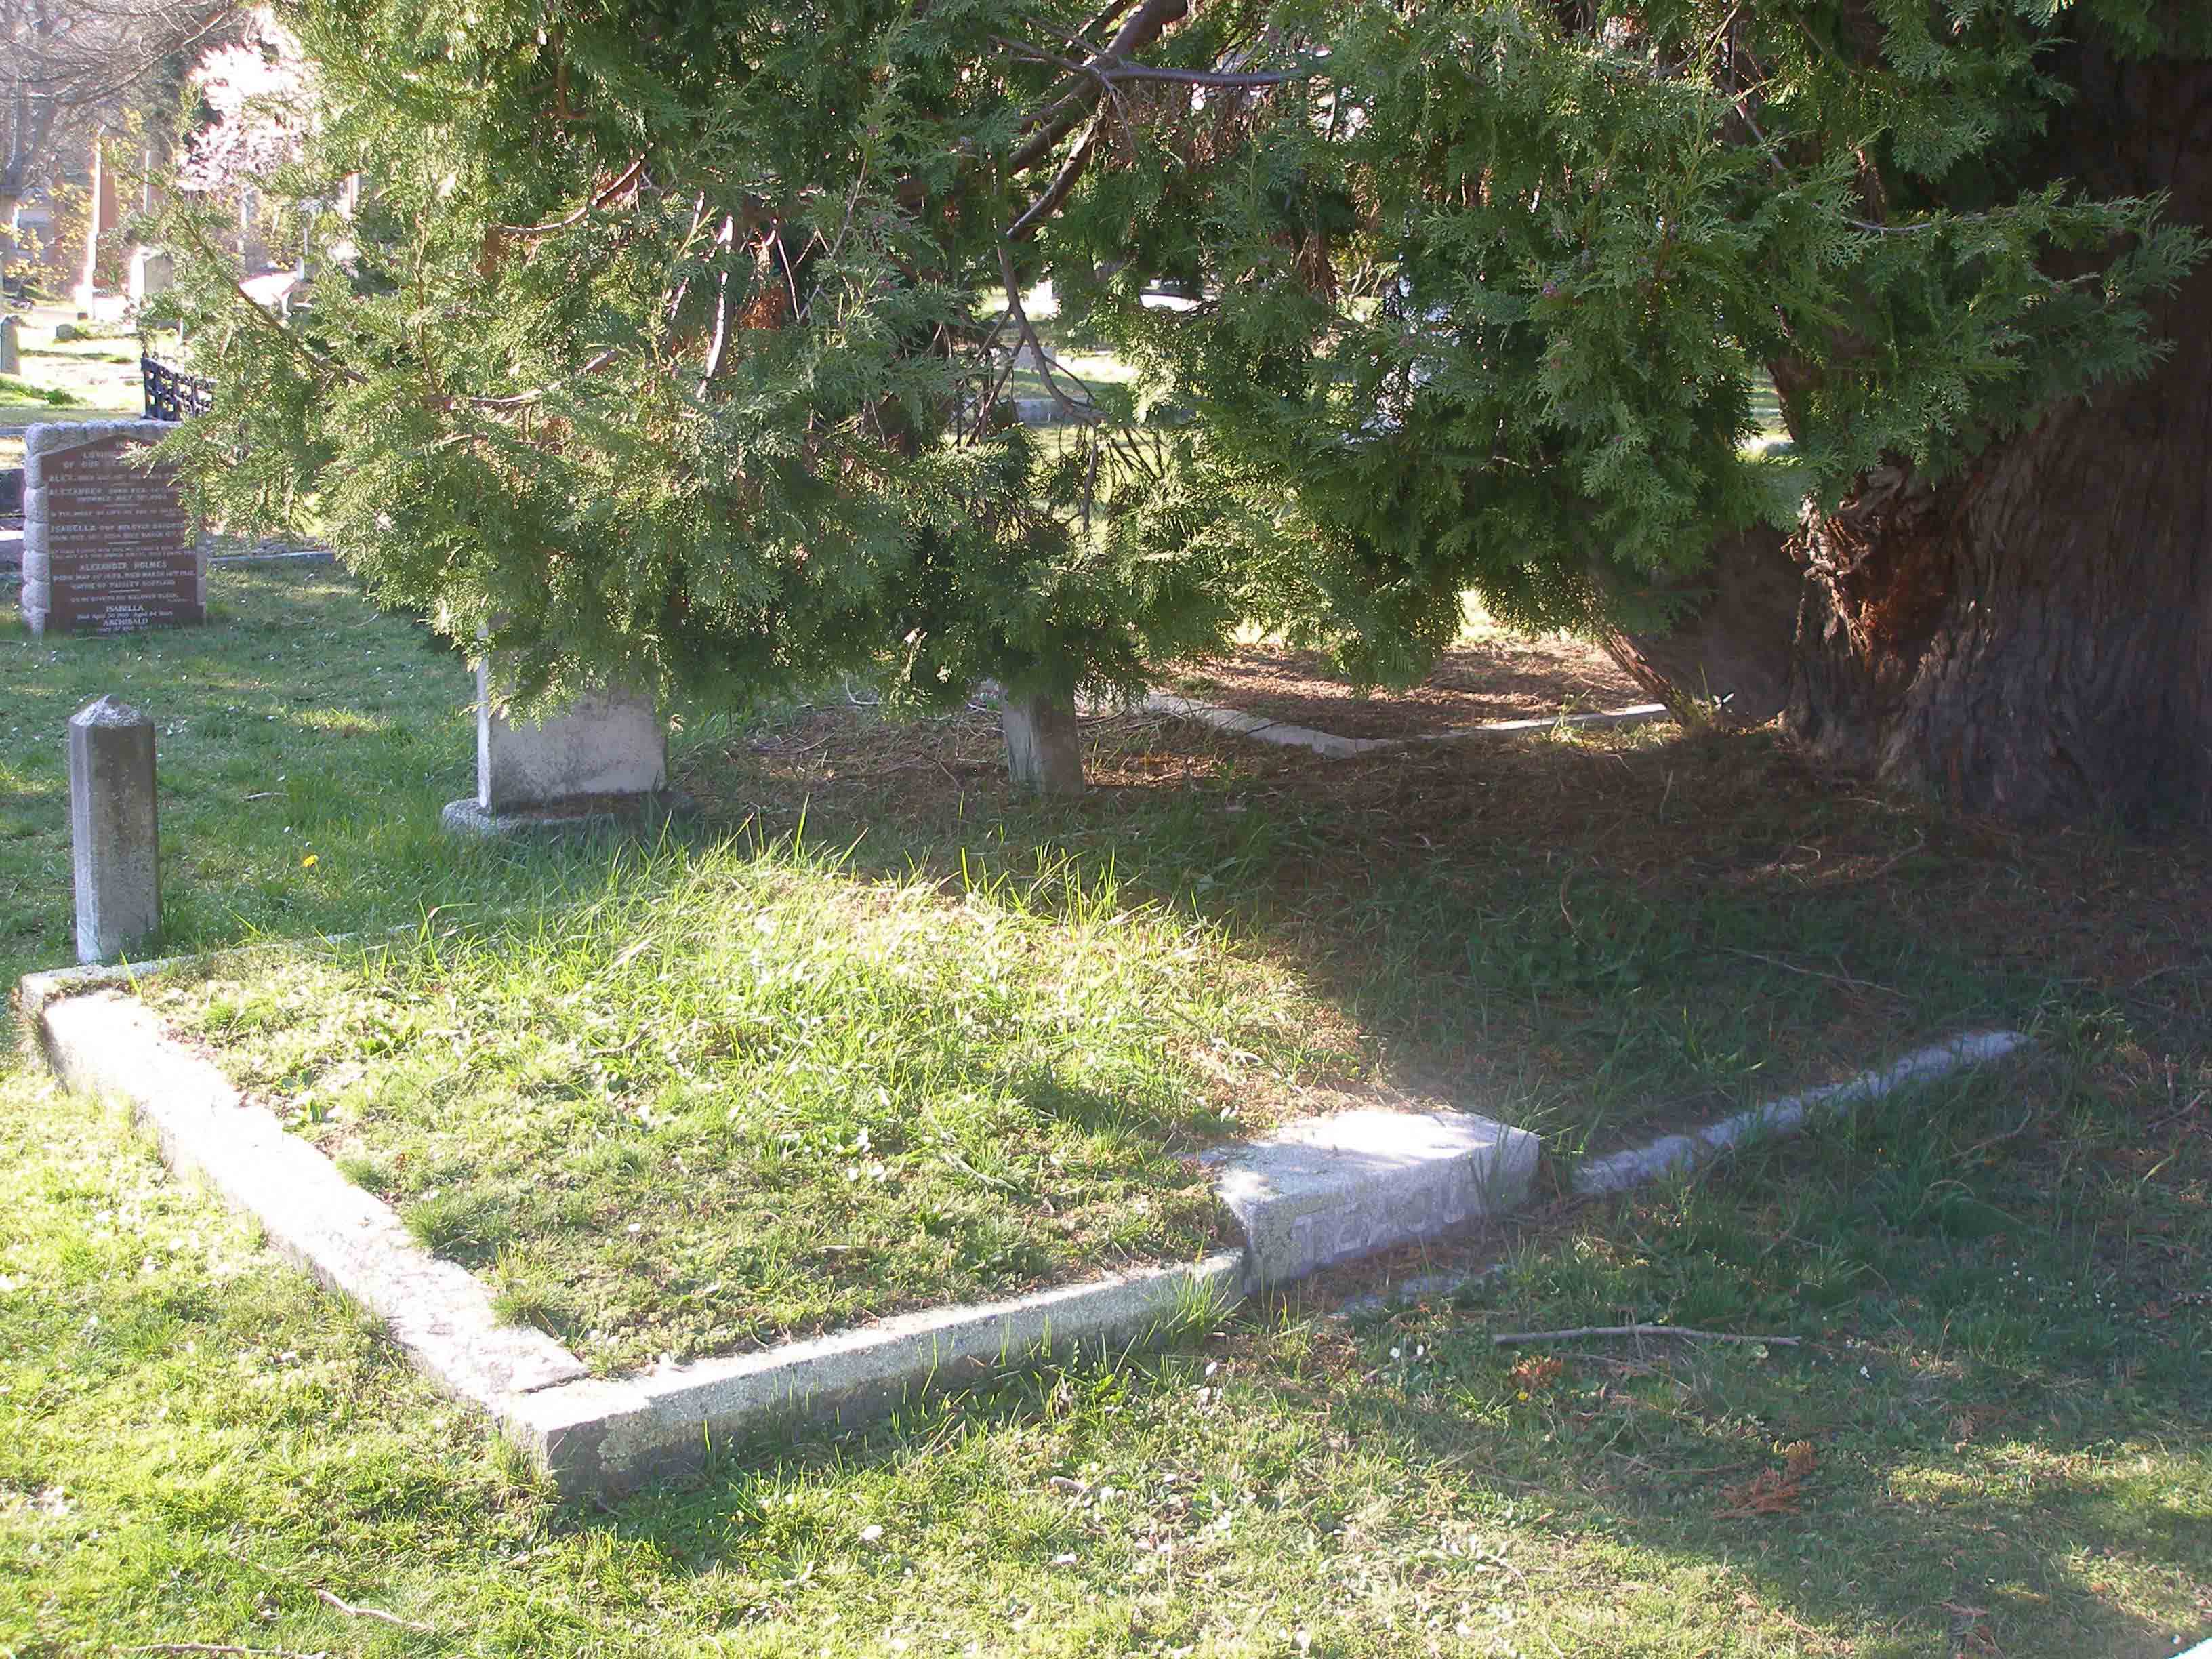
120,552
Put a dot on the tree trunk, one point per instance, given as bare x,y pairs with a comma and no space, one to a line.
1726,659
2033,640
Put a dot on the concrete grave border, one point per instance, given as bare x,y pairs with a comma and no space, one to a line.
1320,1192
1331,746
1671,1153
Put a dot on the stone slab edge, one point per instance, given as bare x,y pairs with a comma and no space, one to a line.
1642,713
107,1044
36,991
1327,743
1334,747
1621,1171
593,1437
469,817
606,1436
1669,1153
1331,1189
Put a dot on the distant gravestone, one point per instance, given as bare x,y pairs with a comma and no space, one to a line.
11,349
152,271
107,546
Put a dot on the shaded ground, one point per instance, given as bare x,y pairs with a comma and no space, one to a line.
1489,677
1988,1438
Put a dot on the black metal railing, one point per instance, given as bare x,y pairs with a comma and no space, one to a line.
171,394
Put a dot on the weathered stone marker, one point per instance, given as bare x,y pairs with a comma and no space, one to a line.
11,346
1043,751
152,271
114,832
107,546
609,753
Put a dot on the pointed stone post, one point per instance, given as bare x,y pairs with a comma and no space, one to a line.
1044,753
114,830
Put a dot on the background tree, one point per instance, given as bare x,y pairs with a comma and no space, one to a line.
67,68
671,345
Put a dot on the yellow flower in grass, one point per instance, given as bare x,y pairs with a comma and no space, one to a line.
309,862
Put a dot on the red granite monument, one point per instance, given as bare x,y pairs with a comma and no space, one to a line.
107,546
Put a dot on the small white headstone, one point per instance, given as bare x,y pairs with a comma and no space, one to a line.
607,748
152,271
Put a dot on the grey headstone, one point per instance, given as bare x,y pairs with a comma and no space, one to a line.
601,765
11,349
608,742
64,332
153,271
114,833
1044,752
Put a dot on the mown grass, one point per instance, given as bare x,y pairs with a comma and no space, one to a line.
298,723
915,990
722,1093
1991,1441
738,1096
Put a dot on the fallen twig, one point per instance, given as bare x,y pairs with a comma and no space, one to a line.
330,1599
1682,1331
1815,972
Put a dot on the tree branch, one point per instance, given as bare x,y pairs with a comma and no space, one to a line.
1682,1331
596,199
1061,118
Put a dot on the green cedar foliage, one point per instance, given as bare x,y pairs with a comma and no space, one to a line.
666,340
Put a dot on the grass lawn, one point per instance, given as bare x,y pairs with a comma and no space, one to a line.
95,377
879,1034
1992,1439
727,1092
1992,1442
738,1096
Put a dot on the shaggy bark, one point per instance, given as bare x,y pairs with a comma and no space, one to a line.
2033,639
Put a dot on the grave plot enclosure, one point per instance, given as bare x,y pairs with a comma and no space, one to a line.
107,546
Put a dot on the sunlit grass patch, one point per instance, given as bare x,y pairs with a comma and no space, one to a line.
742,1096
